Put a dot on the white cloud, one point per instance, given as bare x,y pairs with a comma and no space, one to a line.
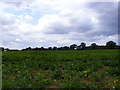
63,23
25,18
7,18
18,40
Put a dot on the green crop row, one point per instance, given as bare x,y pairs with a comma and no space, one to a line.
61,69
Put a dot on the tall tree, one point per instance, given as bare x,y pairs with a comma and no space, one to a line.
42,48
73,46
83,45
93,46
111,45
65,48
49,48
54,48
1,48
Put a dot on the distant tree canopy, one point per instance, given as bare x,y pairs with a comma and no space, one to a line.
1,48
65,48
49,48
54,48
82,46
93,46
42,48
73,46
111,45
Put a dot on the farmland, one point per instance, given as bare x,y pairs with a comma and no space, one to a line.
61,69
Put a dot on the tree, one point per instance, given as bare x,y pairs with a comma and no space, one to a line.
42,48
93,46
79,47
36,48
65,48
73,46
54,48
49,48
29,48
7,49
83,45
60,48
1,48
111,45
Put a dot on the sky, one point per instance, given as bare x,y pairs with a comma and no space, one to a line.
45,23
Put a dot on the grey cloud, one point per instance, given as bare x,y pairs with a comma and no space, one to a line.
80,28
108,17
17,4
82,37
7,19
58,28
76,24
102,6
86,29
119,18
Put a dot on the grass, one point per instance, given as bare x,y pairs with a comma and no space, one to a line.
61,69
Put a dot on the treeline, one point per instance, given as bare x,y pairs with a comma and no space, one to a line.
82,46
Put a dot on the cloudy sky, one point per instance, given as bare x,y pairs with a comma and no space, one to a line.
57,23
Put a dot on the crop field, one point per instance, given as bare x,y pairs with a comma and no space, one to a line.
61,69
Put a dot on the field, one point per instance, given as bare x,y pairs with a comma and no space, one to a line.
61,69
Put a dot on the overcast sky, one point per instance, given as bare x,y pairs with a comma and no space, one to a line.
57,23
